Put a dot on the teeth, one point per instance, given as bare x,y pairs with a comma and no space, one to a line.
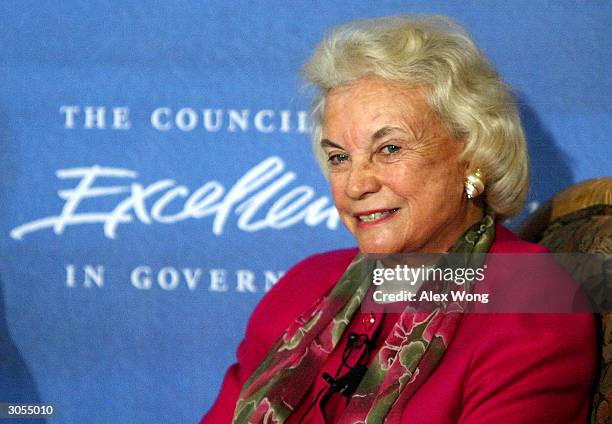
374,216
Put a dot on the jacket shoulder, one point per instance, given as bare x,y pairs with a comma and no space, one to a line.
310,278
526,277
508,242
294,293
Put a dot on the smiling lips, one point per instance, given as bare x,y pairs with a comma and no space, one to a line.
367,218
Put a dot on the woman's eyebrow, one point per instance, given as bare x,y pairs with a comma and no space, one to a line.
379,134
384,131
328,143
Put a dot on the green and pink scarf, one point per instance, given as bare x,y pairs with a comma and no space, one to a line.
409,355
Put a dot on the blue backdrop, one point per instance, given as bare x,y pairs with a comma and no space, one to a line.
156,177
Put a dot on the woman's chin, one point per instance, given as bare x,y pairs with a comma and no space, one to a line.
385,240
380,248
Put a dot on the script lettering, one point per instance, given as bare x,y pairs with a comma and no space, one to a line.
261,199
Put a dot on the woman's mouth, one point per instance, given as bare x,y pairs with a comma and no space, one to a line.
375,216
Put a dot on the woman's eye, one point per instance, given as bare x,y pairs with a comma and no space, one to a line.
337,158
390,149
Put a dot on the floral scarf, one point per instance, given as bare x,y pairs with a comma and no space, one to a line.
407,358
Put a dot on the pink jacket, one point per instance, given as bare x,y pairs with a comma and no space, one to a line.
499,368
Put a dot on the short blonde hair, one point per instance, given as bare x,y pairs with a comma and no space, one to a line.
462,88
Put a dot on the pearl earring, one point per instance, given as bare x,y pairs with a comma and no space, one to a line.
474,186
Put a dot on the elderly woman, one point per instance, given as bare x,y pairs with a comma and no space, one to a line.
424,151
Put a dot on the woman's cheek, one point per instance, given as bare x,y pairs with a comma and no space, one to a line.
338,189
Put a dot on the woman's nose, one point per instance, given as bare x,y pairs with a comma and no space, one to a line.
362,180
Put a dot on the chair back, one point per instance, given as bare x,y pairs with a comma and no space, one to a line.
579,220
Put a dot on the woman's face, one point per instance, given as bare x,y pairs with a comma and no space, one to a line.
394,170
